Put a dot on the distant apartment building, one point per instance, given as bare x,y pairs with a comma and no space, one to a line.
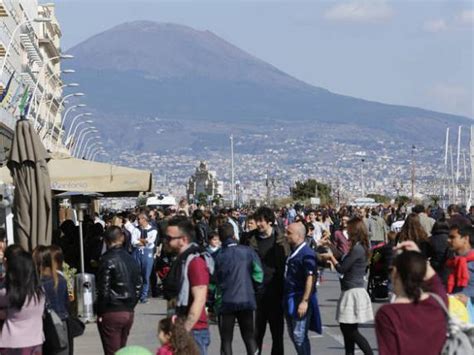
32,62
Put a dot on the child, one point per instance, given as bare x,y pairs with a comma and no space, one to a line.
174,338
214,244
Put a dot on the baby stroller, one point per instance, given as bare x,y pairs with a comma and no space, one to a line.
380,261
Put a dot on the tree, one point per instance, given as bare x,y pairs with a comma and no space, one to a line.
435,199
379,198
307,189
402,200
201,198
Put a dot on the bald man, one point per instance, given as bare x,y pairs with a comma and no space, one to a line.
301,304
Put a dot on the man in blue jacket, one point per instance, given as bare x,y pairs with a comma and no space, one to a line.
237,270
300,302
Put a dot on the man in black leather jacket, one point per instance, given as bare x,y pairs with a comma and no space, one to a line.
118,284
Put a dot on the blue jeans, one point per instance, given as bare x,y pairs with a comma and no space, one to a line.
144,258
298,331
202,337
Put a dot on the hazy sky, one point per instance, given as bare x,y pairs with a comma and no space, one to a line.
417,53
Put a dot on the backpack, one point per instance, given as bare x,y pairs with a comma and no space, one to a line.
202,234
459,337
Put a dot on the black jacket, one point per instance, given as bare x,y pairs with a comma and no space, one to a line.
273,262
439,242
118,282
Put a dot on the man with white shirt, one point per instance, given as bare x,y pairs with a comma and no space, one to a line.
143,244
97,219
315,219
233,219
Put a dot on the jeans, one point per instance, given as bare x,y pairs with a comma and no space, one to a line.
298,331
144,258
202,337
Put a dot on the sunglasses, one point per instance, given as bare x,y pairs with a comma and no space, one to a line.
173,238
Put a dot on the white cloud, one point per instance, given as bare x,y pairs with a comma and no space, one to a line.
360,11
435,25
466,17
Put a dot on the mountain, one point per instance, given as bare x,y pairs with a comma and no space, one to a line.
173,72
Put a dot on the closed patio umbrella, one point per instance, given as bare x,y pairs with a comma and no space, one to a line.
32,199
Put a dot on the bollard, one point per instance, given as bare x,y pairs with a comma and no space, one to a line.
84,290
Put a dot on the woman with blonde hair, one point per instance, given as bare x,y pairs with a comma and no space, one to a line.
55,288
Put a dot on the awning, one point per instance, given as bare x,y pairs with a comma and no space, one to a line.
71,174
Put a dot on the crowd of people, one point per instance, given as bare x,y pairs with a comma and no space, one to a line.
257,267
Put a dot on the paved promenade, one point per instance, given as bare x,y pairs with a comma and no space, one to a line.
147,317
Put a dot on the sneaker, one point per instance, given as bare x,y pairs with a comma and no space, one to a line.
144,301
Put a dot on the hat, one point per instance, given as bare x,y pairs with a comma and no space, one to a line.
133,350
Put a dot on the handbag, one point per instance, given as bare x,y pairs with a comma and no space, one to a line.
460,336
76,326
55,331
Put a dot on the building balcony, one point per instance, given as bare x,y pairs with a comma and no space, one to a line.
31,48
3,10
49,46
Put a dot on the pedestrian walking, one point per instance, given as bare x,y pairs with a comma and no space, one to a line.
55,288
461,265
187,282
118,289
22,303
341,237
414,323
414,231
273,249
300,302
377,228
354,305
143,243
237,269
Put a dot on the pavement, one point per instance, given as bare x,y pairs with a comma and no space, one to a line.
147,316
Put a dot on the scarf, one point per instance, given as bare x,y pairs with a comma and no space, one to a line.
459,275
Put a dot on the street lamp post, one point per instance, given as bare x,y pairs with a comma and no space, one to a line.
99,151
39,20
76,94
65,71
69,138
232,170
61,128
91,148
51,133
83,149
84,132
362,182
68,135
413,173
61,56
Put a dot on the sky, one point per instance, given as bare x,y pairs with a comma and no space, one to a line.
415,53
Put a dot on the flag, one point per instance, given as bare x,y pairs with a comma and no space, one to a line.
15,98
6,90
27,107
25,99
